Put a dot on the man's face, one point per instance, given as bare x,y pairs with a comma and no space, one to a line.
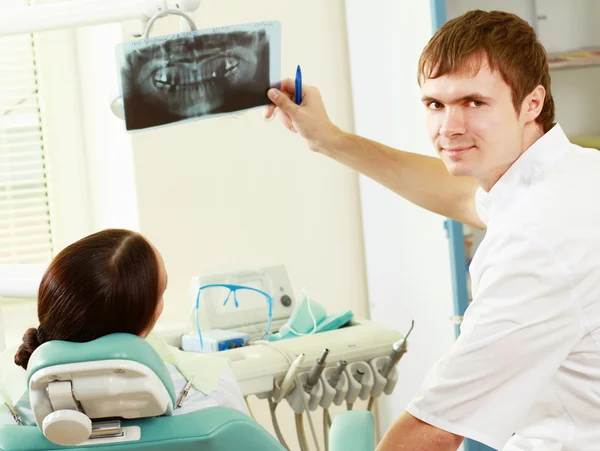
472,123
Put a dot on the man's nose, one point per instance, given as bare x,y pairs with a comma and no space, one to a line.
453,123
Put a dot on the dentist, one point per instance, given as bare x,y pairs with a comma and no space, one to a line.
525,371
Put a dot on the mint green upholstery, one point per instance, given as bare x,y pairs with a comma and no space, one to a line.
211,429
110,347
354,430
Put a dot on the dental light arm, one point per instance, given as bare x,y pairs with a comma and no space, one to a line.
80,13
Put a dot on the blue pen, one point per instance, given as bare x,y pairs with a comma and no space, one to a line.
298,98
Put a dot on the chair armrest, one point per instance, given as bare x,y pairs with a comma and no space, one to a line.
352,431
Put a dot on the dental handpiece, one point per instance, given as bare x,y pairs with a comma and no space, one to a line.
315,372
339,369
398,350
288,380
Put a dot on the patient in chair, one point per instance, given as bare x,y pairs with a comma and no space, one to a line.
108,282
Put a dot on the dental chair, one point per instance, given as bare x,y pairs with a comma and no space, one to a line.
115,393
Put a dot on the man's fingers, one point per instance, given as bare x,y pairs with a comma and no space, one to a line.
282,101
288,85
290,126
269,111
286,120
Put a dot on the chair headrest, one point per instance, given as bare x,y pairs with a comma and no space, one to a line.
118,375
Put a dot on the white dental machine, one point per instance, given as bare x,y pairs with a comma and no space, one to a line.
259,364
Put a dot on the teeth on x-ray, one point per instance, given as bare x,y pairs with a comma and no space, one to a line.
198,74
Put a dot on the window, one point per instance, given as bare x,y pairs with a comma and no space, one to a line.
25,191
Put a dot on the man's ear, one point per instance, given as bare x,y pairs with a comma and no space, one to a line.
533,104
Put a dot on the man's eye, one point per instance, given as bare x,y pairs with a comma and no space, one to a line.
476,103
435,105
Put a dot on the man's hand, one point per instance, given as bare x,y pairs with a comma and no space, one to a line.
309,119
411,434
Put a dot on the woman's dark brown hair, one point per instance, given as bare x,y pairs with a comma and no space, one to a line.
105,283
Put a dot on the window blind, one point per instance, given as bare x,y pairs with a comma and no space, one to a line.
25,197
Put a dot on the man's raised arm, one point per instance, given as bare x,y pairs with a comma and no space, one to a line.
420,179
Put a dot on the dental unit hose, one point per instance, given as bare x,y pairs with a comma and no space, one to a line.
315,372
276,428
301,434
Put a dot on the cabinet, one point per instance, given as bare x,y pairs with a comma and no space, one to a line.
569,32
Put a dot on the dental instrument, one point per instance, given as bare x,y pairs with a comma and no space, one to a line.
14,414
184,393
289,378
316,371
398,350
339,369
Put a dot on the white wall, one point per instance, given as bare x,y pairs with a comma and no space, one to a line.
111,178
243,192
406,247
225,193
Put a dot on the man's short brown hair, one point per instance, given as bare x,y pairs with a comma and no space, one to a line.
510,45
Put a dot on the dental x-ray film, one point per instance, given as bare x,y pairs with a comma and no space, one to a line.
198,74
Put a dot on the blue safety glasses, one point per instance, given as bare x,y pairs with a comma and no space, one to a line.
234,289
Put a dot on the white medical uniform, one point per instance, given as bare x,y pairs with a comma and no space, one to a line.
528,358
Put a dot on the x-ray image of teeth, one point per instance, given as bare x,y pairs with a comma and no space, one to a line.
198,74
